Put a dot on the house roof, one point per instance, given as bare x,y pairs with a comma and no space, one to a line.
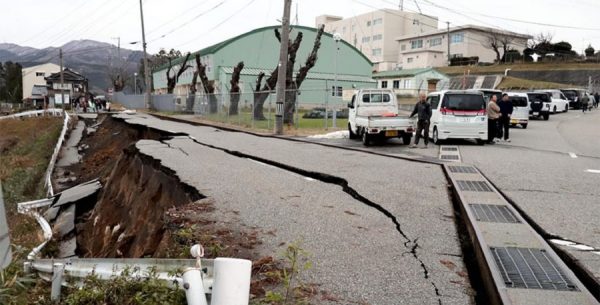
404,73
462,28
69,75
311,75
216,47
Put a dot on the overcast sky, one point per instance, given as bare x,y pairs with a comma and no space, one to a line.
189,25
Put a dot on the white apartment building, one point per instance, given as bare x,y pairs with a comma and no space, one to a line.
375,33
34,84
430,49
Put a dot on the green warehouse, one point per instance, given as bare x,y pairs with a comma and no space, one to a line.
259,50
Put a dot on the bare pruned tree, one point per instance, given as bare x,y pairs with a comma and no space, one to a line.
235,88
118,78
498,42
207,86
172,79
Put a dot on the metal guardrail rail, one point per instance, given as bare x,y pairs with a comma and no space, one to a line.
518,265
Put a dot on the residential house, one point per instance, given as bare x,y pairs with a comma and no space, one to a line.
74,85
375,33
430,49
34,82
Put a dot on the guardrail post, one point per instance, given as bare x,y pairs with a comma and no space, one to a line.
231,281
194,290
57,277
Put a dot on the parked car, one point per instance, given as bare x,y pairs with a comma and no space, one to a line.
574,96
373,115
539,105
520,115
458,115
559,101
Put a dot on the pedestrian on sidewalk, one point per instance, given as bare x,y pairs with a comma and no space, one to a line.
493,112
506,110
585,100
423,109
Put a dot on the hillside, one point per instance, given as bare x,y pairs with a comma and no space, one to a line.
497,69
88,57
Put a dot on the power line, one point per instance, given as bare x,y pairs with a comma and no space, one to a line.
154,29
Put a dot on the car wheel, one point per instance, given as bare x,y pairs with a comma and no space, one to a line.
351,134
546,116
366,138
436,139
480,142
406,138
554,110
566,108
524,126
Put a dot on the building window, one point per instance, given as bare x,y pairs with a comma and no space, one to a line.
366,39
416,44
457,38
38,74
337,92
377,37
435,42
377,21
407,83
409,60
384,84
369,23
353,27
396,84
376,52
403,47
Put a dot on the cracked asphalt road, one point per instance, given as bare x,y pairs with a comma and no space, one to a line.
358,252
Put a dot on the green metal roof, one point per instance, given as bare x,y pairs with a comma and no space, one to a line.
216,47
403,73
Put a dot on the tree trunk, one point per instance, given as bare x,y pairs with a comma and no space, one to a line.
290,105
259,102
234,97
208,87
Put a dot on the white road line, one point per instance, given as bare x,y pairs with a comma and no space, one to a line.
593,171
573,155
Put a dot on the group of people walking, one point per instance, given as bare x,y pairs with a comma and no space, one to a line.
499,113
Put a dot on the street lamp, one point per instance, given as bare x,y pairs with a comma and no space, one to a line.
134,82
336,37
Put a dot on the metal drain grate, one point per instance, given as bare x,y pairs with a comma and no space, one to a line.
493,213
473,186
449,148
531,269
462,169
449,157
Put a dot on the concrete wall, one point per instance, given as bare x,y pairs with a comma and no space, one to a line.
30,77
379,36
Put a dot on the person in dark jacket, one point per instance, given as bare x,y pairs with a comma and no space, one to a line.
596,99
506,110
423,109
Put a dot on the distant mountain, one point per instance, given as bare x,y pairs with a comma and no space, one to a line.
88,57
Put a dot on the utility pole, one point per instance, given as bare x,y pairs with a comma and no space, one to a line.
448,38
62,80
282,72
402,5
148,97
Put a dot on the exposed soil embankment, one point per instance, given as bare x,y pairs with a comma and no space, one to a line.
128,219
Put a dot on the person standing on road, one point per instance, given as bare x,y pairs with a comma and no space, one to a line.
493,112
596,100
585,100
506,110
423,109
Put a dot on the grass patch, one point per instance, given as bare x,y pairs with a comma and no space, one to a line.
514,83
26,147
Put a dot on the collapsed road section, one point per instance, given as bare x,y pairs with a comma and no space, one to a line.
378,230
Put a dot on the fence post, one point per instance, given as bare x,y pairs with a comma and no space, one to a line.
269,116
57,277
297,105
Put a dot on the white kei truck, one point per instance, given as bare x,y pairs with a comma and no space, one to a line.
374,116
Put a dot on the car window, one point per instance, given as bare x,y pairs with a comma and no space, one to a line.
376,98
518,101
464,102
434,101
534,97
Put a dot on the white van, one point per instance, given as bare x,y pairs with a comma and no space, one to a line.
520,115
559,101
458,115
